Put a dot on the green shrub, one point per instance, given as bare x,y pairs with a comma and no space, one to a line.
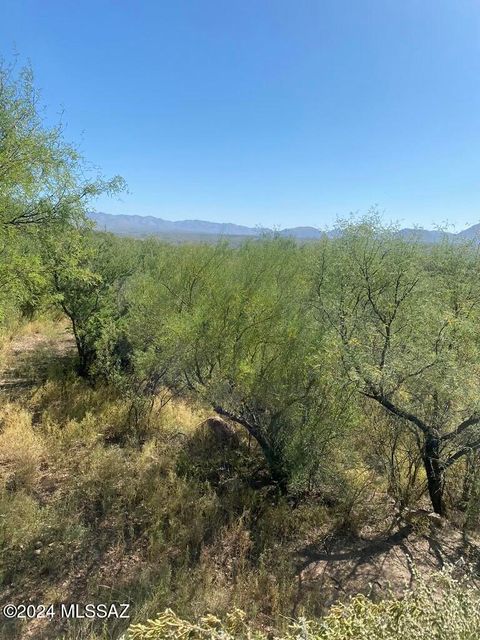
442,609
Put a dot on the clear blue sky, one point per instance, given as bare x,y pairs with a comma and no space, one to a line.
274,112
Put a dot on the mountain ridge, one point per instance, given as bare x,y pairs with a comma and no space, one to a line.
136,225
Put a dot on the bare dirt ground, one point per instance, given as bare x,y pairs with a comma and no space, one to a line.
380,563
27,358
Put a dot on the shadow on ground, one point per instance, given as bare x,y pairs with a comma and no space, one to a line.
342,566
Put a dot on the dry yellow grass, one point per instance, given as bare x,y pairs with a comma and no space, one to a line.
21,449
180,415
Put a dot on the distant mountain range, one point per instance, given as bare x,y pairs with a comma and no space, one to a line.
132,225
142,226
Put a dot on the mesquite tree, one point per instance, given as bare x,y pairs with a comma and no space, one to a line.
87,273
405,319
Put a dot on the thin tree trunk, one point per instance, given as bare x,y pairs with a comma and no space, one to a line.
276,468
435,474
272,458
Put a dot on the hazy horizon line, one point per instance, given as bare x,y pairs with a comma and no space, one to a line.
444,226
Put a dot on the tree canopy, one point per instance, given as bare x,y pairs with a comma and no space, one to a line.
45,184
405,319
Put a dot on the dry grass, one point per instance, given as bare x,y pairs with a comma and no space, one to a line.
21,449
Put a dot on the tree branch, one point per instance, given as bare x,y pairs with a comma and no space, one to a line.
406,415
463,426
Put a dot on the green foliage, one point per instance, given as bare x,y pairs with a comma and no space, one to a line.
45,185
87,274
277,337
42,178
235,327
404,318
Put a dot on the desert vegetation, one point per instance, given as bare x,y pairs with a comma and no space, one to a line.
243,437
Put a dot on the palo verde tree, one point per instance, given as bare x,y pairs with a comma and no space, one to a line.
234,326
405,319
44,183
